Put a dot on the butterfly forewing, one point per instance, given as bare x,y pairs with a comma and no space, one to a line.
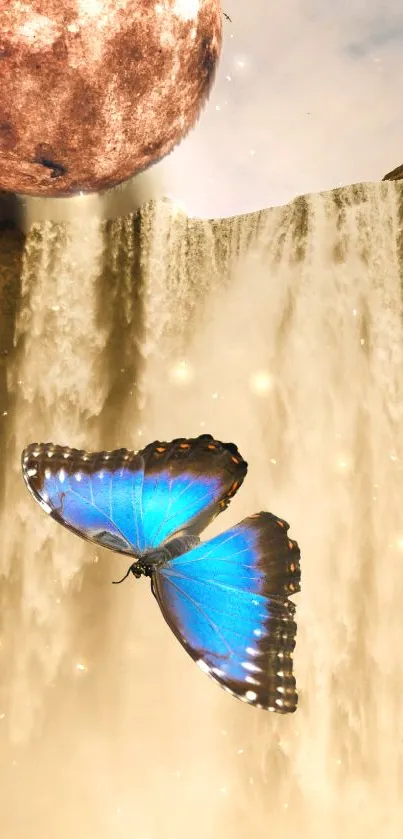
133,502
226,601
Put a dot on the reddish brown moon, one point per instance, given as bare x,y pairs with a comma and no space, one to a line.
94,91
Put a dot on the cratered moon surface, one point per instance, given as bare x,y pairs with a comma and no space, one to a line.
94,91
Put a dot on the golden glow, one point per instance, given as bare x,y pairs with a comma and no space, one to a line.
343,463
181,373
261,382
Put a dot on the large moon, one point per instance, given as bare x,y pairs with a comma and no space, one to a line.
94,91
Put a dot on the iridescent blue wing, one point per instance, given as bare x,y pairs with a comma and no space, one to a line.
227,603
133,502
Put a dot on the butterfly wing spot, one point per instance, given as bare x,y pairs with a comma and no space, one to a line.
251,680
253,668
32,472
250,696
252,651
232,490
45,506
203,666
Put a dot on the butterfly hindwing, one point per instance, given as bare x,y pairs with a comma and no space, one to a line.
227,603
133,502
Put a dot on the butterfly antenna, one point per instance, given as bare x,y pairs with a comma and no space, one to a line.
117,582
227,16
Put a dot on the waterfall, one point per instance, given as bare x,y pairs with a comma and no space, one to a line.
55,394
279,330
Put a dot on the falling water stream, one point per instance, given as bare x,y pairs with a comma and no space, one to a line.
282,331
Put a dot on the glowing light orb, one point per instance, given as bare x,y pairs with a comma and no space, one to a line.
261,382
343,463
92,93
181,373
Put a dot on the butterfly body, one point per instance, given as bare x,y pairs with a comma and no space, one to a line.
151,561
225,599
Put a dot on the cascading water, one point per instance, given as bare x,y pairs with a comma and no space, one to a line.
281,330
50,382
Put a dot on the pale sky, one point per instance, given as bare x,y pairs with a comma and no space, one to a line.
308,96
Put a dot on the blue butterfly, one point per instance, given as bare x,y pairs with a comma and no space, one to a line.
226,599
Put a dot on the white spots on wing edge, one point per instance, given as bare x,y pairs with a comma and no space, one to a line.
44,505
203,666
250,696
253,668
251,680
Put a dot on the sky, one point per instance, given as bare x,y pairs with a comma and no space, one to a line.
307,98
